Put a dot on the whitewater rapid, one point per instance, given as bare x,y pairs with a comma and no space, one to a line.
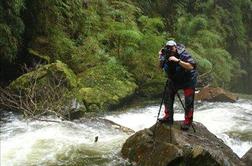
72,143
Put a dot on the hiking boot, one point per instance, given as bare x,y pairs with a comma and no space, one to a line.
166,120
188,121
185,127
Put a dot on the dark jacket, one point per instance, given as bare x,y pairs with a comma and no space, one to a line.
181,77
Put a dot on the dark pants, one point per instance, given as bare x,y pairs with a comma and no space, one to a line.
189,102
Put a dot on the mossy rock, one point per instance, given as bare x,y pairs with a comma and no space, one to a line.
43,73
105,85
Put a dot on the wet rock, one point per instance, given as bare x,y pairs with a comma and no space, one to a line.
117,126
170,146
215,95
53,71
105,123
247,158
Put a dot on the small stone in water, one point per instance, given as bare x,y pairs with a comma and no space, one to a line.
96,139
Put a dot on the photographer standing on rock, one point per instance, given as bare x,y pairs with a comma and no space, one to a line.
181,70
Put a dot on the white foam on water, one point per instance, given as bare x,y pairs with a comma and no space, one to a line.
136,119
39,142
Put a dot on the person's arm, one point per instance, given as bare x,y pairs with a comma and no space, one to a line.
185,65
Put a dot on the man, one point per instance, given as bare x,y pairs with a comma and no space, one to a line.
181,70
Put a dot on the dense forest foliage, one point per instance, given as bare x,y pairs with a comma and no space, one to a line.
217,32
106,40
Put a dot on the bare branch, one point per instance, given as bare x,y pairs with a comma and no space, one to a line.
37,100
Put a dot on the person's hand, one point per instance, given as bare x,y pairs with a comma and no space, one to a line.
160,52
173,58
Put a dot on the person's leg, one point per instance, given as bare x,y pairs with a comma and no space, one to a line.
168,103
189,107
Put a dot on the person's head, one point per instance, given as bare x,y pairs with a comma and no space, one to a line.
171,44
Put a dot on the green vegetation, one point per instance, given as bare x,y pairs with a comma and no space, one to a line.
11,29
111,45
105,85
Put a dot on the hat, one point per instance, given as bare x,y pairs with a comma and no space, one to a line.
171,43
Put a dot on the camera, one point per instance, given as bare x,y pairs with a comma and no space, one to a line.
166,52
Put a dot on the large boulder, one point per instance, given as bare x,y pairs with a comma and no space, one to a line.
247,158
215,95
162,145
45,90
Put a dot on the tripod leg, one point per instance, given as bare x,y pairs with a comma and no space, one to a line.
193,128
154,131
170,134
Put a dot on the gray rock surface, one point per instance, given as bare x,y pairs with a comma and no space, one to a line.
247,158
170,146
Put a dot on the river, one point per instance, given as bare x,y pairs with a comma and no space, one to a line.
26,142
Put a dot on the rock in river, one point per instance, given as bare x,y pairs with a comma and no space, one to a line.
169,146
215,95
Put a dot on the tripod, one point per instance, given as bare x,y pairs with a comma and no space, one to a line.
162,101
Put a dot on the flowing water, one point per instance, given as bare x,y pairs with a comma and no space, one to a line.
72,143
